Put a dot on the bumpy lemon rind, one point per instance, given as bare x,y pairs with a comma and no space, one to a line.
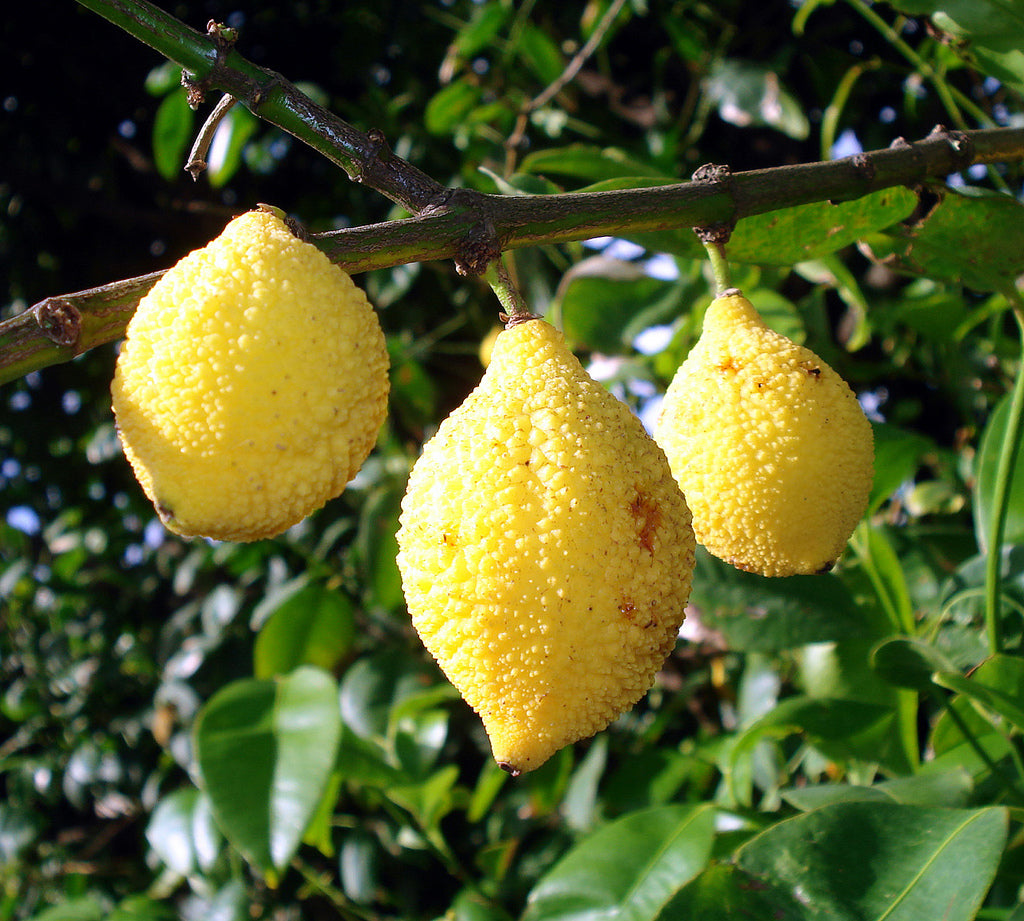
251,385
769,445
546,552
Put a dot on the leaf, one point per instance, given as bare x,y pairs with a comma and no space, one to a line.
908,663
949,789
898,455
314,625
182,833
879,861
450,106
590,163
766,615
724,892
228,143
265,751
628,869
997,685
985,469
86,908
601,297
172,131
747,94
807,232
972,237
988,32
540,53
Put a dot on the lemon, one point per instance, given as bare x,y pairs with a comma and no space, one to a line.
769,444
546,552
251,385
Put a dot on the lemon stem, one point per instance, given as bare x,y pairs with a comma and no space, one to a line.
514,309
719,266
1001,495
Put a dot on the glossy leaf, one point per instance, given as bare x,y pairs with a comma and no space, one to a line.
628,869
747,94
266,750
857,861
314,625
182,832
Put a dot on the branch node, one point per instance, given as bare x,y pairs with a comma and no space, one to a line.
959,142
478,250
60,320
864,166
719,232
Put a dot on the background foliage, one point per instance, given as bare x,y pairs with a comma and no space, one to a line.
201,730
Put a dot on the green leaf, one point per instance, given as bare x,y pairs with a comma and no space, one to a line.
898,456
628,869
266,750
313,625
450,107
485,23
985,469
988,32
997,685
600,299
540,53
766,615
908,663
172,133
86,908
949,789
228,143
590,163
377,546
182,832
807,232
747,94
724,892
972,237
856,861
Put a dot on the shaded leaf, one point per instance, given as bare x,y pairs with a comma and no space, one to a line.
266,750
724,892
986,467
628,869
450,106
590,163
949,789
862,861
997,685
908,663
765,615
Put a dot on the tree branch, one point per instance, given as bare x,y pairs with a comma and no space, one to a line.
470,227
473,228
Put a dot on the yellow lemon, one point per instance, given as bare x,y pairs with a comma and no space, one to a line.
546,552
251,385
769,444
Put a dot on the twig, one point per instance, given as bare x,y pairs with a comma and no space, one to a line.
563,80
197,157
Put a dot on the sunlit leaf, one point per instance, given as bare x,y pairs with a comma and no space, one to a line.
628,869
748,94
993,441
856,861
266,749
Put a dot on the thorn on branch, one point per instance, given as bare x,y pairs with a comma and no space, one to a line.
59,320
959,142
